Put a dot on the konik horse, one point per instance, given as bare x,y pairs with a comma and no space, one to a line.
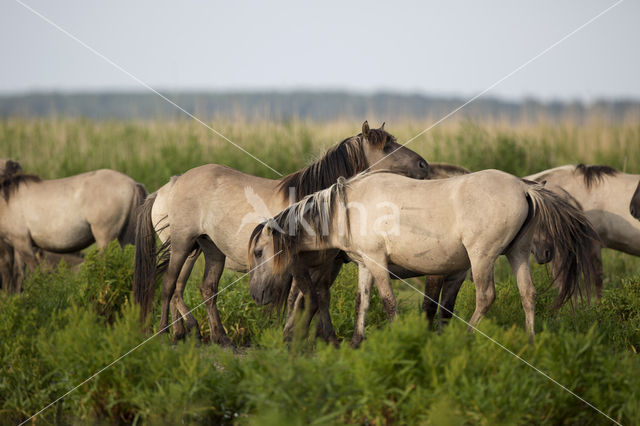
214,208
438,227
65,215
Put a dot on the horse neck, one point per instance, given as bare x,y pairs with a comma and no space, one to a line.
346,159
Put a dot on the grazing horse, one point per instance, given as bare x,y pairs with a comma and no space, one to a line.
634,206
434,284
65,215
214,208
602,193
436,227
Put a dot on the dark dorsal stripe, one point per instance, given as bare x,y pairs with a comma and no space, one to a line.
595,174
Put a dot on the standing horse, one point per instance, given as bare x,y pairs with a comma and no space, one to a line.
65,215
214,208
603,193
436,227
434,284
441,290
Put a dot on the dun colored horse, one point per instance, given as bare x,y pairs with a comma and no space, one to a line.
214,208
436,227
434,284
65,215
602,193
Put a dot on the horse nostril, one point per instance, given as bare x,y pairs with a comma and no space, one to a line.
422,164
547,254
633,211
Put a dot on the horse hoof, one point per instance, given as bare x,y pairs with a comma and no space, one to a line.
356,342
223,341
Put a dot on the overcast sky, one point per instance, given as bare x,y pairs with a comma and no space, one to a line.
442,48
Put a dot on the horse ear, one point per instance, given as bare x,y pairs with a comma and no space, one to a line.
269,226
382,127
365,129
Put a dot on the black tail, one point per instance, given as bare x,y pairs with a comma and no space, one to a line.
573,236
145,269
128,233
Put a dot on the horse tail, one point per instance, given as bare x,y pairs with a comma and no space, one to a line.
128,234
145,267
573,237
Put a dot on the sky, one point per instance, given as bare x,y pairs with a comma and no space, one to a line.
452,48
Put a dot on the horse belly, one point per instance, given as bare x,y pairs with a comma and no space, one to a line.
63,233
429,255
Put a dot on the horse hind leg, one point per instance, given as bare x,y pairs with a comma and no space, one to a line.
519,260
365,281
214,265
485,288
179,252
180,312
103,235
596,251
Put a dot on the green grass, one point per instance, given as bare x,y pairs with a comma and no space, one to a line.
68,324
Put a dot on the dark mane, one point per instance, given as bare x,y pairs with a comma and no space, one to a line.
289,226
595,174
345,159
10,184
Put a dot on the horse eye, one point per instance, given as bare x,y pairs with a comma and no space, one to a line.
258,252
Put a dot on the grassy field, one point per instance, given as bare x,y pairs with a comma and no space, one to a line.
68,324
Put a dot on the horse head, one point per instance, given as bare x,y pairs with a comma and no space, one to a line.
383,152
270,280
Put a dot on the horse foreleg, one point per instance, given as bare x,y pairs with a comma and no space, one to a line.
24,255
213,266
380,273
450,289
295,295
432,287
324,326
7,265
300,327
365,280
295,306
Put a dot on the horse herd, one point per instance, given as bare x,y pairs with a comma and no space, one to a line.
368,200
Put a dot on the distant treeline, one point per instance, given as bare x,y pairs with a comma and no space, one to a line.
320,106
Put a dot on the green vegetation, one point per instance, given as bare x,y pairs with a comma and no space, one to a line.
67,325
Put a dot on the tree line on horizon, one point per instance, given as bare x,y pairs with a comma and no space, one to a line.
317,106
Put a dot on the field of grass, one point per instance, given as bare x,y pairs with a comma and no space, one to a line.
68,324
